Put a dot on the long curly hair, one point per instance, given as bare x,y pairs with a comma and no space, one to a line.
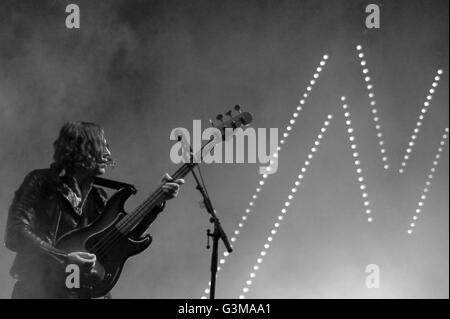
81,145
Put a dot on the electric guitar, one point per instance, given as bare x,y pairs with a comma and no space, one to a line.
108,237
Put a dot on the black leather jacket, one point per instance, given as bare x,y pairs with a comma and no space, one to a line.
43,209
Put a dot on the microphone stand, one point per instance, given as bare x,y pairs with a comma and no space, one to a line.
218,233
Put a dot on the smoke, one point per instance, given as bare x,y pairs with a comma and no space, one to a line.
141,68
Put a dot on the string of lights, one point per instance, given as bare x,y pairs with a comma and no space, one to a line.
298,182
362,186
419,123
376,118
356,157
288,129
374,110
430,176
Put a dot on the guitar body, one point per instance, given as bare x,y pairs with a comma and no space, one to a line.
95,238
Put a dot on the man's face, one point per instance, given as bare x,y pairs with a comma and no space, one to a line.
101,168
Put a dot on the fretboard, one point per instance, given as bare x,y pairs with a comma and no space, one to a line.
131,220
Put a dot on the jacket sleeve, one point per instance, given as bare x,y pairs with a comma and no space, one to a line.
22,220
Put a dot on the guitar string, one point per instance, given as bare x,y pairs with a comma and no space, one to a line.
116,232
109,239
120,229
178,174
106,241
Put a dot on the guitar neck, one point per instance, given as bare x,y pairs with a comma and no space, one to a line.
131,220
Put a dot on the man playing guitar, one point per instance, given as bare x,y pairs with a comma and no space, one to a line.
54,201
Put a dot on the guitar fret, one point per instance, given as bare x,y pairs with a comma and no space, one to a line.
131,220
134,218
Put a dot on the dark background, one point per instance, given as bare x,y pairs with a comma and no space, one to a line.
142,68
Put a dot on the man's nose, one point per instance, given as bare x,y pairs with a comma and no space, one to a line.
106,153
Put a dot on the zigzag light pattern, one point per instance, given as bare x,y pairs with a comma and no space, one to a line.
374,110
355,154
430,176
262,182
376,118
357,161
419,123
298,182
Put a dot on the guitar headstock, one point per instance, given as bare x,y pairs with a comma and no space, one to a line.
224,125
239,119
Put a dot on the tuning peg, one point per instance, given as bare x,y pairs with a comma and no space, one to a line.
229,113
237,107
219,117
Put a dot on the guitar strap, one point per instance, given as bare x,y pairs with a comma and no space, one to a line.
116,185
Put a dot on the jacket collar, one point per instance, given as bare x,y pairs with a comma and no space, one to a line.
68,187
